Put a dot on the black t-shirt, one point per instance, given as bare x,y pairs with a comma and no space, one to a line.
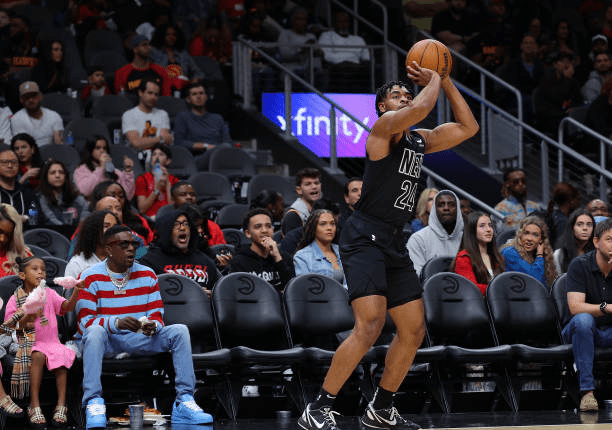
390,184
584,276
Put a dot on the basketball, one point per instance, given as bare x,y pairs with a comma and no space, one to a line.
431,54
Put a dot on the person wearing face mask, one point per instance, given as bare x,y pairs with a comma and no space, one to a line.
530,251
442,236
175,251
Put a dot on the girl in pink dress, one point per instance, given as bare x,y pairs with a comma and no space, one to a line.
39,342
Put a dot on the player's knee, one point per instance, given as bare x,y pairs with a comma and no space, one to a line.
369,330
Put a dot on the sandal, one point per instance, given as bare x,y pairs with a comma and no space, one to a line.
36,418
10,408
60,416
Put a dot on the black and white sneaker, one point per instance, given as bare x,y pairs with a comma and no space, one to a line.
318,419
386,419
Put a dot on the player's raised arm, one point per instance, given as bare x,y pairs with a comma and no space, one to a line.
450,134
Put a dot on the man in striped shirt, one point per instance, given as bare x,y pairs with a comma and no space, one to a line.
121,310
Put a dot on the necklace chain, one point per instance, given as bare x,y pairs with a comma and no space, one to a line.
123,282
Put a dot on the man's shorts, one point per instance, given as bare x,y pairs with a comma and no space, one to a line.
376,261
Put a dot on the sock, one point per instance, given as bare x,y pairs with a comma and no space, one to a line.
323,399
383,399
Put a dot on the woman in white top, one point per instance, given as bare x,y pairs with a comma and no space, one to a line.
89,249
316,251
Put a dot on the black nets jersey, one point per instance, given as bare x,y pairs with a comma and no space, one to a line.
390,184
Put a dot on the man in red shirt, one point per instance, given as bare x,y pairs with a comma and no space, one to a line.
128,77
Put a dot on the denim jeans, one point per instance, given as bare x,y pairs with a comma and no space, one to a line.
98,343
584,335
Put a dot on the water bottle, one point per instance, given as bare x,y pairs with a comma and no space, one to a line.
122,91
33,214
69,138
109,167
157,171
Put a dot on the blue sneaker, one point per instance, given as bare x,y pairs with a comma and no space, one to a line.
186,411
96,413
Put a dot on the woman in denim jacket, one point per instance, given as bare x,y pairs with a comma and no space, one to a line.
316,252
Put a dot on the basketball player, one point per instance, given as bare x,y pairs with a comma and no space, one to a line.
378,269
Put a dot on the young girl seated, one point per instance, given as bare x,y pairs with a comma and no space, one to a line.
39,342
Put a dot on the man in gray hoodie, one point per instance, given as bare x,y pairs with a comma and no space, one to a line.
442,236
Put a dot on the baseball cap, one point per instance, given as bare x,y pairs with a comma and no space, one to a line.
599,37
137,40
28,87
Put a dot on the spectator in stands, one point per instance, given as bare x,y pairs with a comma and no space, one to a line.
96,84
557,93
346,56
564,41
565,199
30,161
51,72
294,54
197,129
352,194
129,77
145,125
479,259
262,256
442,236
466,207
182,192
577,239
597,207
606,26
11,242
89,249
175,251
189,14
97,166
44,125
418,14
492,45
600,111
591,324
456,26
108,323
60,202
423,209
169,52
602,70
127,216
213,39
20,196
530,251
523,72
153,191
20,47
316,252
308,189
274,202
515,205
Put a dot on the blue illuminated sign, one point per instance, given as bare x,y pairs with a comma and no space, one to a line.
310,120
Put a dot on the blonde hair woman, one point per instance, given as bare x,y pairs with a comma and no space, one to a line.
11,240
530,251
424,205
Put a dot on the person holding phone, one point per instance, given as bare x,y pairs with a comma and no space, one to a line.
530,251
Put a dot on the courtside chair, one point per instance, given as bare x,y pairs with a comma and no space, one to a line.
524,316
51,241
456,316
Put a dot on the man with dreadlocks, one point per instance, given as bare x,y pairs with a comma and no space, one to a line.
378,269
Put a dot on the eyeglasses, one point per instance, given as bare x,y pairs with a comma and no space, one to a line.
179,224
9,162
125,244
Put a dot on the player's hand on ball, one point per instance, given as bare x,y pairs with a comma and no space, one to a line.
420,75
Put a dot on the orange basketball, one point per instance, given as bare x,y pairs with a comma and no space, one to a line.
431,54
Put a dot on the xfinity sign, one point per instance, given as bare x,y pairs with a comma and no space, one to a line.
310,120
